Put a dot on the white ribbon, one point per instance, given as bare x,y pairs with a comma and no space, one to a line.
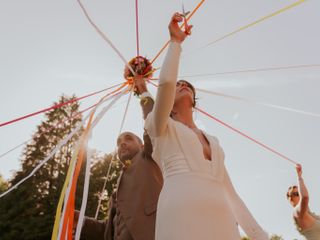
98,118
84,196
57,148
105,37
260,103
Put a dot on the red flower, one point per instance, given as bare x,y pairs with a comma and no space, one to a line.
141,66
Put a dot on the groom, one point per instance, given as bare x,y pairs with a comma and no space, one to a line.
132,208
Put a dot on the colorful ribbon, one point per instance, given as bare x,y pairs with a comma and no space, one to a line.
260,103
246,136
104,37
167,43
257,21
64,222
55,106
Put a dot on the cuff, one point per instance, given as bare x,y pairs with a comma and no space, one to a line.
145,95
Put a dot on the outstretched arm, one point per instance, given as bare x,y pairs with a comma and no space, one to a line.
168,77
242,213
146,100
146,103
303,206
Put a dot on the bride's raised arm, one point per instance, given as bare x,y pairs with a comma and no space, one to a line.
166,90
168,78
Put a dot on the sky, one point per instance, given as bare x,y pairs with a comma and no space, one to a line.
48,48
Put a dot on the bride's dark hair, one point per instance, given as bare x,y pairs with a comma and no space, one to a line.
193,90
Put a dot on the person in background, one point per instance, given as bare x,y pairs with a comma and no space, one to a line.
307,223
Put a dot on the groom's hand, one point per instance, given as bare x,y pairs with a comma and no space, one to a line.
139,85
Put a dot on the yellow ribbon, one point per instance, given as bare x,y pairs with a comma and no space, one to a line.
258,21
62,196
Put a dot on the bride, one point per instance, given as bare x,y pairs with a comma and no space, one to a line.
197,200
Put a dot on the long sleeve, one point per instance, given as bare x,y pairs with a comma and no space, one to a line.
100,229
93,229
147,106
166,90
242,213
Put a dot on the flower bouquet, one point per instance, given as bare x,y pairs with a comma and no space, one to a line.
141,66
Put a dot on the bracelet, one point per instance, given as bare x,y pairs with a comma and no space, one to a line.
144,97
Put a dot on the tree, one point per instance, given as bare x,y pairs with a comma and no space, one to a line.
3,184
99,170
28,212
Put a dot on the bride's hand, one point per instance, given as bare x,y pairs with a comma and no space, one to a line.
176,33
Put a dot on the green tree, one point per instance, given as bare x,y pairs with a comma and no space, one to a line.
28,212
99,170
3,184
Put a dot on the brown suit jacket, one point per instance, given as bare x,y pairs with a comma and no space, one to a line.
137,196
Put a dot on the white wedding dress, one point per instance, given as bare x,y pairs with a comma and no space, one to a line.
197,200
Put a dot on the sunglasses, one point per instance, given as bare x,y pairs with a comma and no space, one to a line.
293,194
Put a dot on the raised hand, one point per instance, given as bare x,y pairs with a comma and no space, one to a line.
139,84
176,33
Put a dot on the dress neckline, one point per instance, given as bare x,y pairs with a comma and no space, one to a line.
198,140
